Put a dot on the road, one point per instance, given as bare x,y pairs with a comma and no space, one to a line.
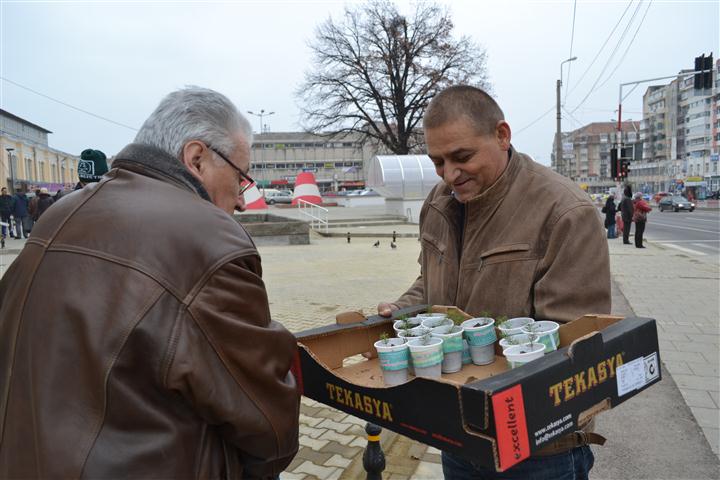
696,233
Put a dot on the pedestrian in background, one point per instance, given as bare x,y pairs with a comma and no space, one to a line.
43,203
640,209
626,211
132,345
6,210
20,214
609,210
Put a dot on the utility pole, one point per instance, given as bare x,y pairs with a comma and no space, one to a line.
558,136
12,169
262,157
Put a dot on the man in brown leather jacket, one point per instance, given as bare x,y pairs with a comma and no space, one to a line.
504,234
135,333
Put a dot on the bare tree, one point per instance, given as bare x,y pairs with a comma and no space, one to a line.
375,71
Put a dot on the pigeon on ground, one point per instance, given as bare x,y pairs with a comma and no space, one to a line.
376,244
392,245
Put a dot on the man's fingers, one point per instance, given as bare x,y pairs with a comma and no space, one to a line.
386,309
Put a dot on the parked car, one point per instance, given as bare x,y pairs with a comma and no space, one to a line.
282,196
362,193
675,203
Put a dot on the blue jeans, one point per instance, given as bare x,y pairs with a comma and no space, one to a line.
572,465
611,231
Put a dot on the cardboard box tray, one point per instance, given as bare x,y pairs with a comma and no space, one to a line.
490,414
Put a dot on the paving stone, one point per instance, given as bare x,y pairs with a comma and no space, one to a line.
338,437
315,456
698,398
332,414
323,473
706,417
417,450
432,458
713,338
429,471
355,420
293,476
666,345
358,442
696,382
682,356
342,450
310,431
707,369
338,461
716,398
713,437
683,337
308,420
311,442
433,450
677,367
708,348
337,426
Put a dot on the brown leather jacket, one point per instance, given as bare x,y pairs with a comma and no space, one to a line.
136,340
531,245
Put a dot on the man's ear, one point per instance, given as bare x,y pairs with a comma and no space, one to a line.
503,134
192,158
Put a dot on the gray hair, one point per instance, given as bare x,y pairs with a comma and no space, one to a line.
194,113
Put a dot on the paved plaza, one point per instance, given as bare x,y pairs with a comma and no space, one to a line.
309,284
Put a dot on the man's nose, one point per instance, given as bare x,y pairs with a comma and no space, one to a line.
240,203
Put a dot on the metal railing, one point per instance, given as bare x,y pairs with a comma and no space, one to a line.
317,214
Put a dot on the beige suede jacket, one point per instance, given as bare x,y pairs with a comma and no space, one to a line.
531,245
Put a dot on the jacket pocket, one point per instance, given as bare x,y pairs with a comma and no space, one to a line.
502,281
506,253
433,249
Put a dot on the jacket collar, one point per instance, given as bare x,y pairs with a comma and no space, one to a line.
153,162
488,200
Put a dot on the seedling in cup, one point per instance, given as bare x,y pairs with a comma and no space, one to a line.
518,355
393,356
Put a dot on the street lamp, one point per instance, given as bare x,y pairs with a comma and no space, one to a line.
261,115
12,170
558,143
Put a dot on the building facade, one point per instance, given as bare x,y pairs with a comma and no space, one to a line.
586,153
28,162
680,138
338,163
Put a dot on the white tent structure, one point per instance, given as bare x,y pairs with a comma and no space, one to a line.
404,181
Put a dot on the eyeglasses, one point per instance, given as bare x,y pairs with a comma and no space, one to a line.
243,175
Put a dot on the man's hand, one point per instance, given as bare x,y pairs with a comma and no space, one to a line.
386,309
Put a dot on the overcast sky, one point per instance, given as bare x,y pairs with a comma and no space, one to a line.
117,59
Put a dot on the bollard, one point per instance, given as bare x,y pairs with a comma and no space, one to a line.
394,236
373,458
348,237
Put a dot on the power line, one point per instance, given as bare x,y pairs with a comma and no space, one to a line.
68,105
597,55
628,47
572,39
612,54
535,121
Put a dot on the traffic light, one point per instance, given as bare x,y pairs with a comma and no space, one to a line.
624,167
703,65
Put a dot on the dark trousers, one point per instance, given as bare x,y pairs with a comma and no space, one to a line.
571,465
639,230
626,230
5,218
21,227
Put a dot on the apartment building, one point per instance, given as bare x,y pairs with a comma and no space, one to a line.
679,133
28,162
586,153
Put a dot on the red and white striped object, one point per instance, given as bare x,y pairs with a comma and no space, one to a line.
306,189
